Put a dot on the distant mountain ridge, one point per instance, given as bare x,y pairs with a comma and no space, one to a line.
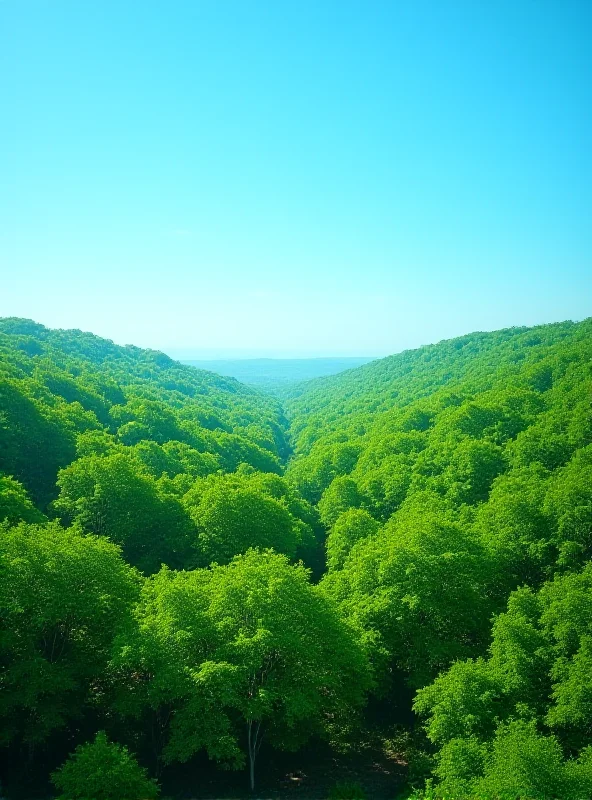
273,374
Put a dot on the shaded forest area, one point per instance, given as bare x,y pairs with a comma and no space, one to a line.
381,587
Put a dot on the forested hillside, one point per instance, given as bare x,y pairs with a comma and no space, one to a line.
456,485
395,562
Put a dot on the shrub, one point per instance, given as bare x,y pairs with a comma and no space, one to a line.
103,770
347,791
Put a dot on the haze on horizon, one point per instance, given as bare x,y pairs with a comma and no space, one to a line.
295,179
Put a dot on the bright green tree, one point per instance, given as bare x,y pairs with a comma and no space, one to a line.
342,494
231,516
241,652
418,590
103,770
113,496
62,597
15,505
350,527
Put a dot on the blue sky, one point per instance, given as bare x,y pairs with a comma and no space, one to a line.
295,178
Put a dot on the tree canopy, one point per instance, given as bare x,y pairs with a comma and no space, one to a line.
398,557
239,652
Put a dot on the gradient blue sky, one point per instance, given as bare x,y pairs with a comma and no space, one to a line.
295,178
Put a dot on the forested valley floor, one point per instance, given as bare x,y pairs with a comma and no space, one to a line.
378,585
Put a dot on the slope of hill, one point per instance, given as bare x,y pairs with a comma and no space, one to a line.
474,362
449,477
64,393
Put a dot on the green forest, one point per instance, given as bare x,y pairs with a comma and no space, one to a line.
376,584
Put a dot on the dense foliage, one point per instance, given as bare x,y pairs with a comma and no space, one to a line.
454,480
196,571
239,652
102,770
507,722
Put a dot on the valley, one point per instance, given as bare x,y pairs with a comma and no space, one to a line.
346,588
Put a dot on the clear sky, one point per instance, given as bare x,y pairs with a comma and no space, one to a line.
294,177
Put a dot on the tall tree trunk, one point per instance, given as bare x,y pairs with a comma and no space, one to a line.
252,771
253,744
